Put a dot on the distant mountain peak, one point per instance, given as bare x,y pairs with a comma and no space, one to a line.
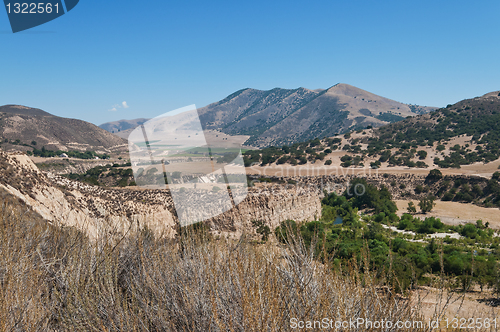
283,116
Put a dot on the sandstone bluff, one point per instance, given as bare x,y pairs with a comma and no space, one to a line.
99,211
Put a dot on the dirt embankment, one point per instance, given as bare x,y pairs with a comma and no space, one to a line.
98,210
403,188
70,165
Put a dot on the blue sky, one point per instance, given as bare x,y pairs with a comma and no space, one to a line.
161,55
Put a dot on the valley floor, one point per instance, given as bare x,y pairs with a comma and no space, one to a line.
454,213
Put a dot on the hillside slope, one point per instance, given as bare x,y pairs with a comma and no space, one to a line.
466,133
281,116
461,134
30,125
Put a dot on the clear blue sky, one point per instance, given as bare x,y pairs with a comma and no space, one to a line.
161,55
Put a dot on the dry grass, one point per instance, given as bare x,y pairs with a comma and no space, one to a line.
54,279
455,213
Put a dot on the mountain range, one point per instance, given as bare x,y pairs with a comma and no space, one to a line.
461,134
286,116
281,116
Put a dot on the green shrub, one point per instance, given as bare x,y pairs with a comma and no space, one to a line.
426,204
422,154
434,175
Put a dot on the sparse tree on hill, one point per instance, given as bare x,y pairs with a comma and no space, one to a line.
412,209
434,176
426,204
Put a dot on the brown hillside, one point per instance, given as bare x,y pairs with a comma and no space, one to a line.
54,133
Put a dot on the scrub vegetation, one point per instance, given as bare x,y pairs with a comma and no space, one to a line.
403,253
56,279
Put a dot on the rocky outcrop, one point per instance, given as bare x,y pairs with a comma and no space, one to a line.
401,186
94,210
271,206
97,211
67,166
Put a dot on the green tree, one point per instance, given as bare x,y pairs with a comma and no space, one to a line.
411,208
422,154
426,204
434,175
496,176
469,231
262,229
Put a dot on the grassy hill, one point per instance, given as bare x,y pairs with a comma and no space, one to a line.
475,121
461,134
25,128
